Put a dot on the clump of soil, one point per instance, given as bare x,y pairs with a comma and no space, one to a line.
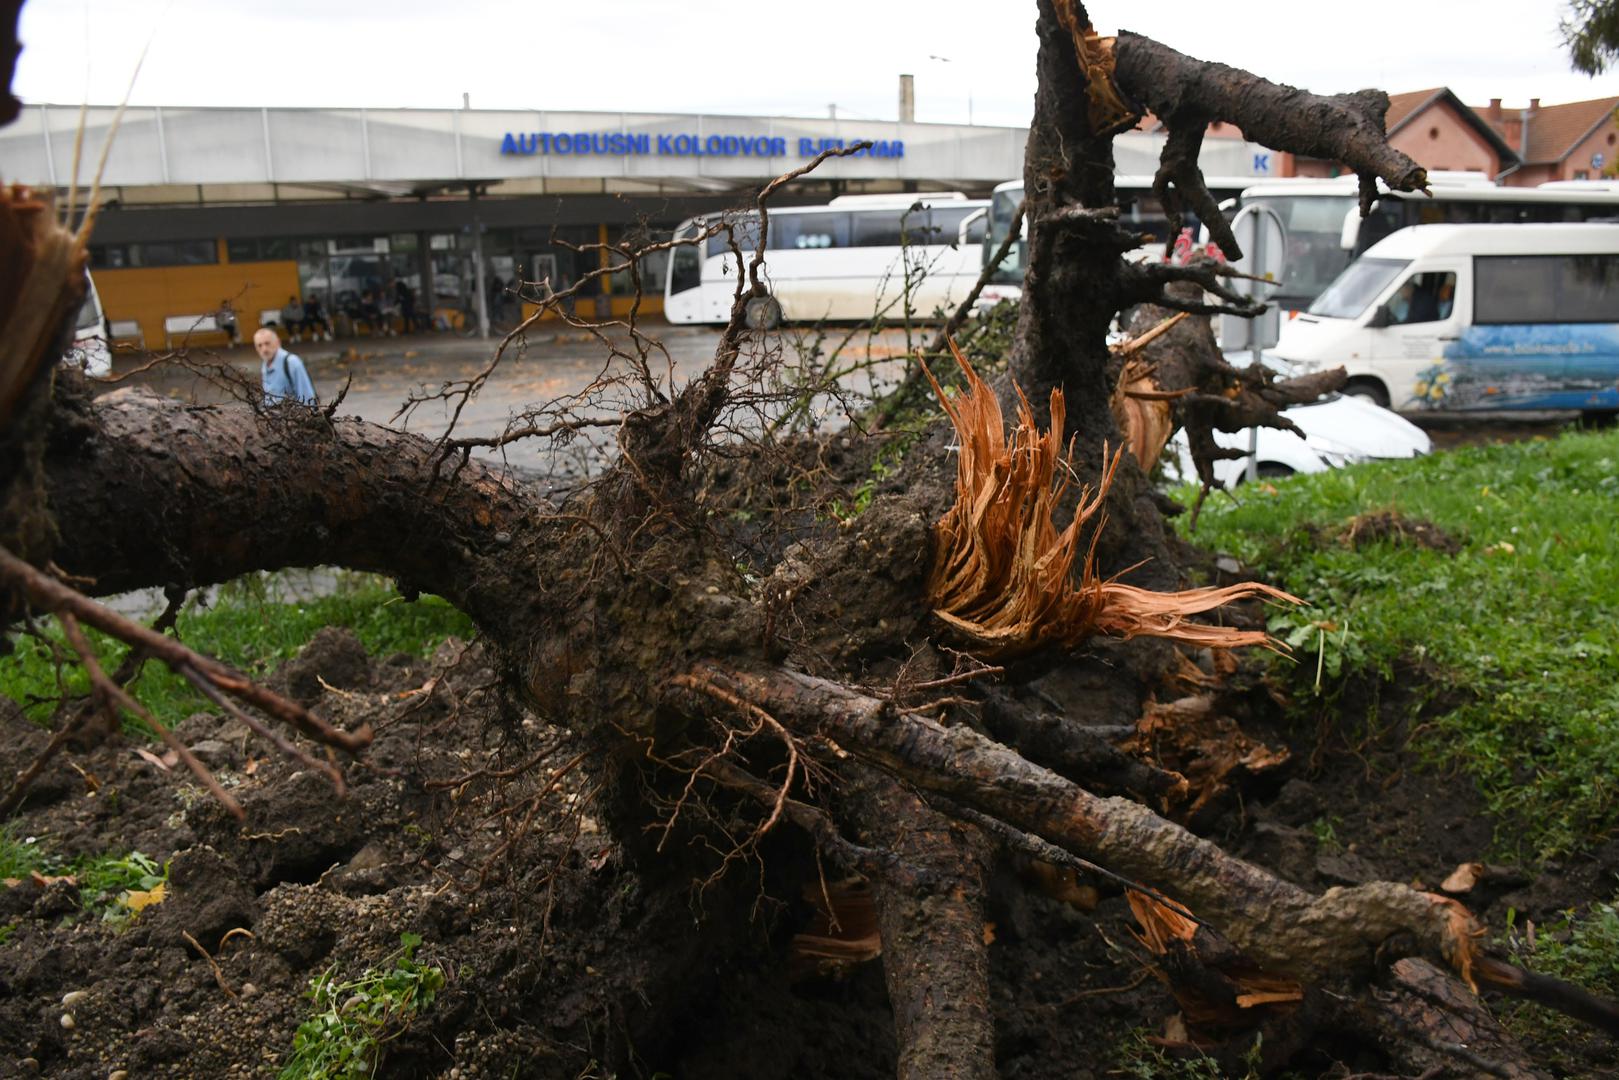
1389,526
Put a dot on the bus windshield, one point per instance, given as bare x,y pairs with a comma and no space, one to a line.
1356,288
1314,228
1002,207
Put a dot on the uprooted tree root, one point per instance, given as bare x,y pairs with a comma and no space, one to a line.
811,691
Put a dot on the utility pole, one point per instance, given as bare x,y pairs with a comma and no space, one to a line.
477,266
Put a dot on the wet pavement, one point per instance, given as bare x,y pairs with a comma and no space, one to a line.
545,365
553,361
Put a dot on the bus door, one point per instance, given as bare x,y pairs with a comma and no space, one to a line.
1422,318
683,297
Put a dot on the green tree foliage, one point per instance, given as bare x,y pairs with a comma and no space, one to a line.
1591,32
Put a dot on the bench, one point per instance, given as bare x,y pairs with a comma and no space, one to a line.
124,329
270,317
188,326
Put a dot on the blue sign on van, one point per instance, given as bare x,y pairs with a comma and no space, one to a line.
624,144
1570,366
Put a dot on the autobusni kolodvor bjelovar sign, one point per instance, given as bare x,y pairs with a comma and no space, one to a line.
623,144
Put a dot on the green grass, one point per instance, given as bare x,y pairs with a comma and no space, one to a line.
352,1020
1521,619
1582,949
251,625
19,855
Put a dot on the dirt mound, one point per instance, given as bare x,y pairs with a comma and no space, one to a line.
568,957
1389,526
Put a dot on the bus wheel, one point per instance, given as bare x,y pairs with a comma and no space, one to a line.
763,313
1370,389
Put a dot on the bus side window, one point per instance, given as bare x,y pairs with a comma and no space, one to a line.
878,228
947,224
1589,288
1515,289
808,232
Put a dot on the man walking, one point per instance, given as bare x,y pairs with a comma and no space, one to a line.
282,374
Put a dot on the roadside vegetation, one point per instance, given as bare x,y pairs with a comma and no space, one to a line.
1486,577
254,624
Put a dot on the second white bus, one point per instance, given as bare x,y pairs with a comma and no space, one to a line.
852,259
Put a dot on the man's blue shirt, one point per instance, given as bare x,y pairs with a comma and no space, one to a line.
284,377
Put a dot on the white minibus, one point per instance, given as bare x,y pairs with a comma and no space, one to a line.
1473,317
855,258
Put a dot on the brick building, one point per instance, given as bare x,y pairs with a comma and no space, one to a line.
1518,147
1576,141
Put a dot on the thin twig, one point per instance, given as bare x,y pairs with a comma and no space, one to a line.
219,976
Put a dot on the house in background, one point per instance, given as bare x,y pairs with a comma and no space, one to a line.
1576,141
1518,147
1439,132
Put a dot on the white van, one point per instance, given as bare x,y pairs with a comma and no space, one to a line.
90,349
1473,317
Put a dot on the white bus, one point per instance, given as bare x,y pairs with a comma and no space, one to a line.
848,260
1139,209
1325,232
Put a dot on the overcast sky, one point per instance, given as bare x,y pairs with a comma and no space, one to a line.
762,58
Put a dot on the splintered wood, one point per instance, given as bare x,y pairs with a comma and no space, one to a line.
41,281
1145,413
1229,987
1003,574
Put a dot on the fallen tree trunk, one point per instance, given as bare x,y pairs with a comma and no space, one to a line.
623,614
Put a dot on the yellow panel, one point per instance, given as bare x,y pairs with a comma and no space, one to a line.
150,295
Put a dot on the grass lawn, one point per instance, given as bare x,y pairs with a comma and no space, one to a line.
251,625
1524,617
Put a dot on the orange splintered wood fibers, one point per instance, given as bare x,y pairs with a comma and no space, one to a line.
1163,929
1002,572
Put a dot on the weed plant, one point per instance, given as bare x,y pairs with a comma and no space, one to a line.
113,886
1519,620
353,1020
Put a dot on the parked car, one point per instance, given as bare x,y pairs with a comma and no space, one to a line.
1339,430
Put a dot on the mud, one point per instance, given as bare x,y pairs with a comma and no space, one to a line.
570,959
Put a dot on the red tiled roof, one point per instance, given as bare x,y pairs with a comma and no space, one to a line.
1555,130
1401,106
1404,108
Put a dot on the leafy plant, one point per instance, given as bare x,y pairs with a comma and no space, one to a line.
1582,949
353,1020
116,887
111,886
1325,829
1142,1059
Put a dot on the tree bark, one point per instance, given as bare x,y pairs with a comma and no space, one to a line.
148,491
1279,925
930,912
